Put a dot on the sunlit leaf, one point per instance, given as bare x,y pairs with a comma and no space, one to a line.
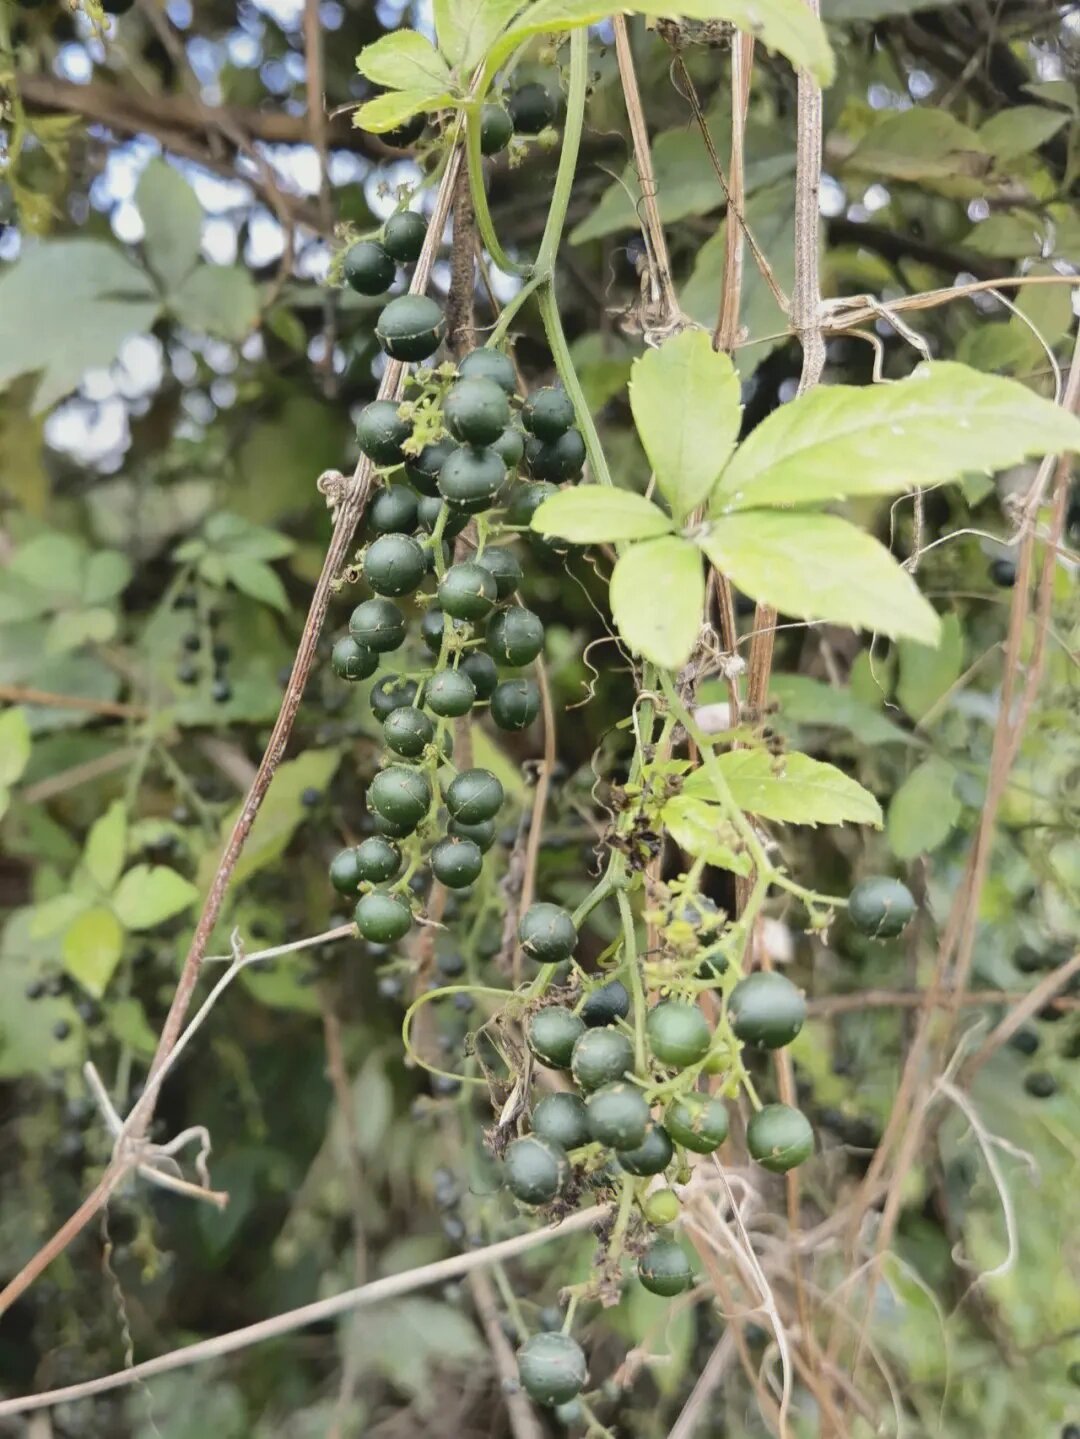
595,514
657,599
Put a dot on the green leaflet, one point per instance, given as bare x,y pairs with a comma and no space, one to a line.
1020,130
92,947
387,112
920,143
657,597
172,219
923,810
806,701
595,514
148,895
790,789
926,674
701,830
404,60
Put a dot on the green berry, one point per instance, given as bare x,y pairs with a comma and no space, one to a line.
618,1114
422,470
533,108
601,1056
449,694
431,507
352,661
880,906
766,1010
548,413
408,732
651,1156
485,364
403,236
368,269
481,670
403,796
1003,572
552,1368
525,499
510,447
556,460
664,1268
345,873
515,704
393,511
377,624
391,693
456,863
606,1004
476,411
698,1122
779,1137
547,934
394,564
503,565
473,796
562,1119
535,1169
410,327
573,1413
378,860
468,591
496,129
482,833
661,1207
552,1033
402,136
678,1033
515,637
471,478
381,432
431,630
383,918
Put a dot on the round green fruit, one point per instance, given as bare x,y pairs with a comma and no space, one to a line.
476,411
548,413
403,796
378,625
378,860
661,1207
515,704
779,1137
510,447
394,564
410,327
353,661
403,136
552,1368
766,1010
601,1056
391,693
431,630
381,432
1040,1084
562,1119
468,591
473,796
533,108
422,470
880,906
496,129
556,460
408,732
367,268
345,873
546,933
393,511
403,236
535,1169
606,1004
481,670
552,1033
678,1033
471,478
502,564
664,1268
382,918
482,833
515,637
651,1156
429,510
485,364
449,694
525,499
618,1115
699,1122
456,863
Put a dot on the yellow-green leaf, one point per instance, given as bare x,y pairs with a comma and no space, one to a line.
926,673
387,112
103,857
791,789
597,514
924,809
91,949
657,598
700,829
150,894
14,744
404,60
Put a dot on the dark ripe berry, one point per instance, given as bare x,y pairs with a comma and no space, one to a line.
515,637
547,934
116,7
221,690
368,269
1073,1376
471,478
55,985
533,108
476,411
431,507
562,1119
400,795
515,704
552,1033
468,591
526,499
482,833
187,672
345,873
410,328
186,600
89,1011
450,963
678,1033
449,694
192,642
377,625
35,989
651,1156
353,661
481,670
408,731
601,1056
880,906
485,364
664,1268
606,1004
61,1029
381,432
548,413
422,471
1040,1085
1025,1041
618,1115
402,136
535,1170
378,860
473,796
496,129
393,511
1028,960
766,1010
456,862
699,1122
779,1137
502,564
394,564
510,447
403,236
552,1368
431,630
391,693
1003,572
383,918
556,460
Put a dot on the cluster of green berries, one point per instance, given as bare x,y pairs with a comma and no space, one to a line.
1039,1080
370,266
